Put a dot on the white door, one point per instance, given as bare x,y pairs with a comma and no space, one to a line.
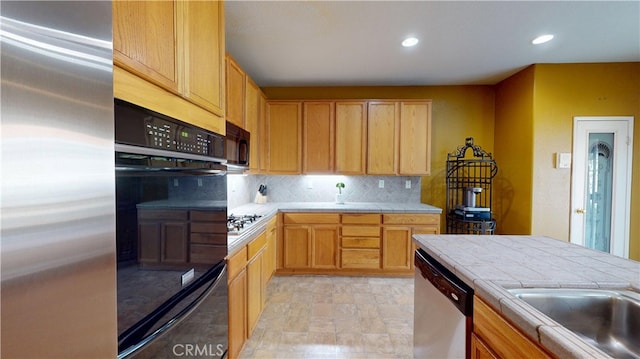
601,183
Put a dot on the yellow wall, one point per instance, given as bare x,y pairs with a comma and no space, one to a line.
514,153
457,112
562,91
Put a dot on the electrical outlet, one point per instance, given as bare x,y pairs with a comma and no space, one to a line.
381,184
407,184
309,184
199,182
175,182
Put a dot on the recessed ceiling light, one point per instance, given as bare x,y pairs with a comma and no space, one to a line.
410,41
542,39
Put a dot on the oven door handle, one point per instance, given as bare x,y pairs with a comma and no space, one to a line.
134,339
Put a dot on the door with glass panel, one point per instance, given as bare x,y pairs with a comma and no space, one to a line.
601,183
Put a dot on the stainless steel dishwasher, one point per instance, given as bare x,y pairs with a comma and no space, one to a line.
443,311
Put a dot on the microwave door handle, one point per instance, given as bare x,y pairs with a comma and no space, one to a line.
243,152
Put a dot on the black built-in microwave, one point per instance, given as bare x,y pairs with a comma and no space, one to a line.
238,140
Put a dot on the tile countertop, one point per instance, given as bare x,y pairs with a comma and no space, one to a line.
270,209
491,264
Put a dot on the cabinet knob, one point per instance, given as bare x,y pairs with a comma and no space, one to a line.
581,211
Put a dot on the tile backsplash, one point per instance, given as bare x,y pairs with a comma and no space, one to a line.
242,189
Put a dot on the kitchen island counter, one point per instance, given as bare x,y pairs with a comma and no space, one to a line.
493,264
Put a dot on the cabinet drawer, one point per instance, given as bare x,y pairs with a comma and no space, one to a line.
237,262
311,218
360,242
411,219
208,216
162,214
360,231
209,227
256,245
361,218
202,253
361,258
208,238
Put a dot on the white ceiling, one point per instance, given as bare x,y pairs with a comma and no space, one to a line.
334,43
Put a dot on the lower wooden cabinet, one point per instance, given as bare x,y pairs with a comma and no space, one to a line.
352,243
495,337
248,276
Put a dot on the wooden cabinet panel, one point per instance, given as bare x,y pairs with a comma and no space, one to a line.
311,218
360,218
324,251
204,44
351,141
360,242
252,122
479,349
175,242
270,254
263,139
254,292
144,40
382,137
163,237
256,245
297,250
318,137
500,336
415,138
284,137
361,231
237,262
237,313
149,242
361,258
395,218
396,248
235,92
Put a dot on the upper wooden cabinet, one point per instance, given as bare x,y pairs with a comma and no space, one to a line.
235,93
318,137
204,52
169,57
145,41
351,137
284,137
399,137
253,120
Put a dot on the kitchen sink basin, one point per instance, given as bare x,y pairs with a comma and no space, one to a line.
608,319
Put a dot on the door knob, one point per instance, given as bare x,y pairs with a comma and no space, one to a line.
581,211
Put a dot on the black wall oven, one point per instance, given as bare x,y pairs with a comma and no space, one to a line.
171,236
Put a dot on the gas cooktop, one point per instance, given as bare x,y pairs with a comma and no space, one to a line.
236,224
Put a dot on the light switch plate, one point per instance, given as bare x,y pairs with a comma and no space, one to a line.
381,184
563,160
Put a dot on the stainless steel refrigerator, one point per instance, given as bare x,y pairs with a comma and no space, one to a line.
58,294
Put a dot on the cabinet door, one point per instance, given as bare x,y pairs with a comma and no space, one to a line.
296,243
237,314
149,242
324,251
263,139
254,292
204,51
382,138
415,138
270,253
396,248
284,133
252,122
318,137
479,350
235,92
144,40
351,130
174,242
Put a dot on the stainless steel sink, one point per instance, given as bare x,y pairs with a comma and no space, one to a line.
608,319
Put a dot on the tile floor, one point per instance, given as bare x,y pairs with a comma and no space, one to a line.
334,317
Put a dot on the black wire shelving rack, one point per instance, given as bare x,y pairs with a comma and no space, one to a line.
470,190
